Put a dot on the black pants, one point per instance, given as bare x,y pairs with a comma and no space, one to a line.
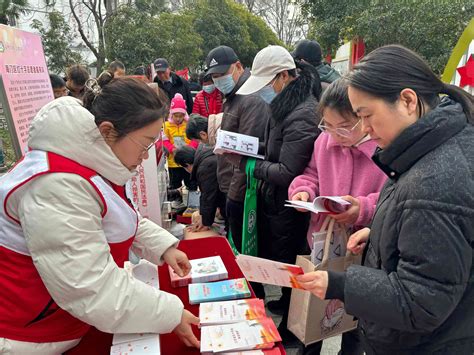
177,175
235,216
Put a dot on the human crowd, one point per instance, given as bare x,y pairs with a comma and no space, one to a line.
389,137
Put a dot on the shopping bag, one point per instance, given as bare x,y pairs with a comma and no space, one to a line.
310,318
249,227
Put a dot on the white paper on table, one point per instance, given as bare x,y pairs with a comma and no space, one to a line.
146,272
146,346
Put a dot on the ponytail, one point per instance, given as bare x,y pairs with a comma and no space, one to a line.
463,97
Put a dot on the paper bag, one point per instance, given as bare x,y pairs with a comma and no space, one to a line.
311,319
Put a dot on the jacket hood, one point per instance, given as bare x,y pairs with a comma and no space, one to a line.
326,73
307,84
66,128
425,135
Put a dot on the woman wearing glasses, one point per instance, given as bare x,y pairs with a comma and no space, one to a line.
67,226
341,165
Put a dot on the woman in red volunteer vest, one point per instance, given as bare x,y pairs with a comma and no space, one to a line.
66,227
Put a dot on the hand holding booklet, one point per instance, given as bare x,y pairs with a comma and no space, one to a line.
268,271
237,143
322,204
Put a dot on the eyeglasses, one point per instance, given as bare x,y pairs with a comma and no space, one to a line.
145,148
343,132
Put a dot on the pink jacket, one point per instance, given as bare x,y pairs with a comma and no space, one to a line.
335,170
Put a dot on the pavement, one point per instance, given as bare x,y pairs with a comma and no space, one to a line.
331,346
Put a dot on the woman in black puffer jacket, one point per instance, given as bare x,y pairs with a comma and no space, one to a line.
414,293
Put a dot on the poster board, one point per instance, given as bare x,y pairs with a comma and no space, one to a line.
143,189
24,82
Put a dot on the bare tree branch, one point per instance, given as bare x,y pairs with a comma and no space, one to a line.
81,30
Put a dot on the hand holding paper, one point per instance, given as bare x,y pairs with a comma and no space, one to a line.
351,214
315,282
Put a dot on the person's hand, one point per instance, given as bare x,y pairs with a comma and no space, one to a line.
315,282
184,329
358,240
198,227
177,260
351,214
301,196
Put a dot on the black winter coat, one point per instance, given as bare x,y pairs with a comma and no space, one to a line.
289,141
177,85
246,114
205,174
415,292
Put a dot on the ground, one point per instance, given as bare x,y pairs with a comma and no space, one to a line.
331,346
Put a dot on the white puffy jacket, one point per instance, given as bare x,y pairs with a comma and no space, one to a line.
92,288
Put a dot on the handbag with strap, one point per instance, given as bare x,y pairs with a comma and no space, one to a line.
310,318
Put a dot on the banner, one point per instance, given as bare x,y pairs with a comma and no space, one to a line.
143,189
24,82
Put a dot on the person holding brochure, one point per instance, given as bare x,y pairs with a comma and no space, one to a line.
341,165
67,226
241,114
290,135
414,293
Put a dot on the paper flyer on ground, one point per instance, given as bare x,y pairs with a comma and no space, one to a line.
202,270
248,335
268,271
218,291
321,204
232,142
213,313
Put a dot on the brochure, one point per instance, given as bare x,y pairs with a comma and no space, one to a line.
268,271
322,204
237,143
218,291
213,313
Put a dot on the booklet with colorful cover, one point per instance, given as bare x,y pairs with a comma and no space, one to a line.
218,291
213,313
248,335
202,270
146,346
268,271
321,204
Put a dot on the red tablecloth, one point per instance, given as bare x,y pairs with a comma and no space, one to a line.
99,343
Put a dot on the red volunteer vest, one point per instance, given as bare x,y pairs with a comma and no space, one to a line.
27,310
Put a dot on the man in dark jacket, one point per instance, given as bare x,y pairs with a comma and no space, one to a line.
242,114
172,83
289,140
310,52
202,165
